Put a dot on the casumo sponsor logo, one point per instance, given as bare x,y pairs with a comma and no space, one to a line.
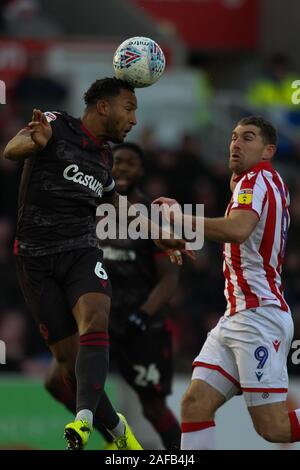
72,173
2,352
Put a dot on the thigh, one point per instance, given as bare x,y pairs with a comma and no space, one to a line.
83,272
45,299
260,340
145,362
215,364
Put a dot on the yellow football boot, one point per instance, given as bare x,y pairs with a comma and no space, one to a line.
77,434
128,440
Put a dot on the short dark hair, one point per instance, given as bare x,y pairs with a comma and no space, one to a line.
267,130
105,88
131,146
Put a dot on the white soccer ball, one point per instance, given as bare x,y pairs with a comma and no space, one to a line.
139,61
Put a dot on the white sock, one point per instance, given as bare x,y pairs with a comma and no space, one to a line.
85,415
198,436
118,431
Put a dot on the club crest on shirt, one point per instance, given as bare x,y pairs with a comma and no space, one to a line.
50,116
245,196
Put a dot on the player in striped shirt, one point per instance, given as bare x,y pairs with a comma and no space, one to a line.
247,351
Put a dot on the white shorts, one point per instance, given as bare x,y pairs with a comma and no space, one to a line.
247,353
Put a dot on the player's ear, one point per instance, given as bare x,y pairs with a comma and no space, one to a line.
269,152
103,107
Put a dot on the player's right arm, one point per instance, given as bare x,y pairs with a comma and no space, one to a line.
30,140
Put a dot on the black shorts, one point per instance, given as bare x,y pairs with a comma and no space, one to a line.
52,284
145,361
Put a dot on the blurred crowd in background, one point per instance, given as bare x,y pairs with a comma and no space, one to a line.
192,171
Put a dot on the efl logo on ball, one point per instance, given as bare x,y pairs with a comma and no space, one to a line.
139,61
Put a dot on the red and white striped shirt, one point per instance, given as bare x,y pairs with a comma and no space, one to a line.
252,269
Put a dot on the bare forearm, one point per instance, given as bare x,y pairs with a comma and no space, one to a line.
220,229
20,147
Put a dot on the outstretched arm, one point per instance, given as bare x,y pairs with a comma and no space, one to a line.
235,228
30,140
174,247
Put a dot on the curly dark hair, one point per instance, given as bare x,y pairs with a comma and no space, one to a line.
133,147
105,88
267,130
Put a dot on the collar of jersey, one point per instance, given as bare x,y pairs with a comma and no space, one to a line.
256,168
90,135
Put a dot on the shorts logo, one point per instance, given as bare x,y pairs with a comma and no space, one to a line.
100,272
245,196
265,395
276,344
259,375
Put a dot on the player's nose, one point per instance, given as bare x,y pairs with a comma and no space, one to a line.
133,120
236,145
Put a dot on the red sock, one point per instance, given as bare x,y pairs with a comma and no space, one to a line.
198,435
295,425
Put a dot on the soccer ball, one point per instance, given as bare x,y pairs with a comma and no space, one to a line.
139,61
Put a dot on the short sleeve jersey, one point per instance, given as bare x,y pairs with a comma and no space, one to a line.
61,187
253,269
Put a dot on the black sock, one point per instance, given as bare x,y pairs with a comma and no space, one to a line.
91,369
169,430
105,417
64,391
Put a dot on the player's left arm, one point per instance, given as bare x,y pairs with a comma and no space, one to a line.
236,228
164,290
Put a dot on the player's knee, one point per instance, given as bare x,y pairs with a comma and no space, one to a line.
189,405
53,382
94,319
65,360
266,433
271,431
198,404
50,385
